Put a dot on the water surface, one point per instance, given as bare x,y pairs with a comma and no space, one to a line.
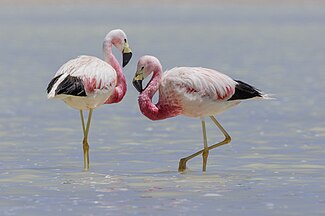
273,166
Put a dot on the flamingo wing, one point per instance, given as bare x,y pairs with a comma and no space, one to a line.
200,82
71,85
82,76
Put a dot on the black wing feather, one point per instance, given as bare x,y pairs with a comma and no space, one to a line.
51,84
245,91
71,86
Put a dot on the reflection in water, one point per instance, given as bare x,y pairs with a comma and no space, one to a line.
274,165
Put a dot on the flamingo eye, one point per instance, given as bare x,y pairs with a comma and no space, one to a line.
142,68
124,40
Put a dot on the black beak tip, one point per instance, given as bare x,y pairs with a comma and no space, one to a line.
138,85
126,58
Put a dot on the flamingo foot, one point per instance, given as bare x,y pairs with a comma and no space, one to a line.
182,165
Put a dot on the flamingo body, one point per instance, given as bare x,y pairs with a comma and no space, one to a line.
197,91
83,83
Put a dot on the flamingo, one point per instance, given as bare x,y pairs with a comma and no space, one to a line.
190,91
87,82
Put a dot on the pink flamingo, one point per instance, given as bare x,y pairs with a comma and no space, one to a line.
190,91
87,82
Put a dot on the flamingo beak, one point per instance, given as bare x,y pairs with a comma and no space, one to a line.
138,85
137,82
127,54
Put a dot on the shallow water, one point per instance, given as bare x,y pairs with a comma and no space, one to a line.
273,166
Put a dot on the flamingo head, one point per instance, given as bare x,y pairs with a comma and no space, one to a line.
119,40
146,66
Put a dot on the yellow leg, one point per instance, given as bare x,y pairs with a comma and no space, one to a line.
82,122
86,152
205,153
85,140
182,162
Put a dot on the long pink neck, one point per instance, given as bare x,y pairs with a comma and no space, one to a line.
120,88
161,110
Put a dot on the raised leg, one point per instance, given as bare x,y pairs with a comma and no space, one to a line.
85,140
182,162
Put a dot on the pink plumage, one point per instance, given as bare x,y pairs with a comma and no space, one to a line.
189,91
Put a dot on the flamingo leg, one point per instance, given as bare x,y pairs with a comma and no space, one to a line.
85,141
205,152
82,122
182,162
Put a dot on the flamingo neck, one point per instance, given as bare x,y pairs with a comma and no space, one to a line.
120,88
157,111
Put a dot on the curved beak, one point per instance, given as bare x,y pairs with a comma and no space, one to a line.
138,85
137,81
127,54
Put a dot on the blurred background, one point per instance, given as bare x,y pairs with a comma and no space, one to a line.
273,166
